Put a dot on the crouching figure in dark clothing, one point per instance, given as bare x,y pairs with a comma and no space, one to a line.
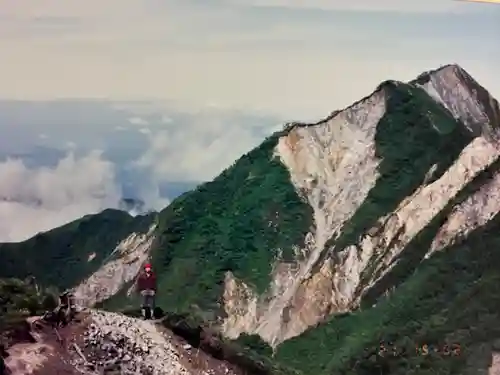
146,285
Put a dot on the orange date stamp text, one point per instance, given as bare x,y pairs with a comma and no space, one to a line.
388,349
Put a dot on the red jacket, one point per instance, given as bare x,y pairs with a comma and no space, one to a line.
145,282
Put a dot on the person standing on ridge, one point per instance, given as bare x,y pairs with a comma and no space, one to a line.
146,284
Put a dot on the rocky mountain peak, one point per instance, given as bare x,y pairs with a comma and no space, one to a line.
464,97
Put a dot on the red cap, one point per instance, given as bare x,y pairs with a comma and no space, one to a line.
147,265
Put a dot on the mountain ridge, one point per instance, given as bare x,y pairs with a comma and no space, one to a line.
382,91
492,108
64,255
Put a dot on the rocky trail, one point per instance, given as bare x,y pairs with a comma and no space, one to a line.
100,342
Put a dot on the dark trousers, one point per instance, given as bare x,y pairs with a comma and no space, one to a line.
148,301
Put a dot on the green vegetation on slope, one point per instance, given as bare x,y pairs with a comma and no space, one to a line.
235,223
60,257
450,302
20,299
415,134
432,306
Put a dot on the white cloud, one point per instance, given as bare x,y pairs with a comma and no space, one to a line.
138,121
70,145
34,200
166,120
201,147
38,199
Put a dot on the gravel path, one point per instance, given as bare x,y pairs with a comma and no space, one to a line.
117,343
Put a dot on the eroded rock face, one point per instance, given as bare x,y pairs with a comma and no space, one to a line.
341,149
334,166
122,267
474,212
460,94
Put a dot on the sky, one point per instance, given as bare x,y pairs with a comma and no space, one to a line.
173,91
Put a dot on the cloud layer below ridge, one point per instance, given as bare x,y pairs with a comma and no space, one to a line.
61,160
34,200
